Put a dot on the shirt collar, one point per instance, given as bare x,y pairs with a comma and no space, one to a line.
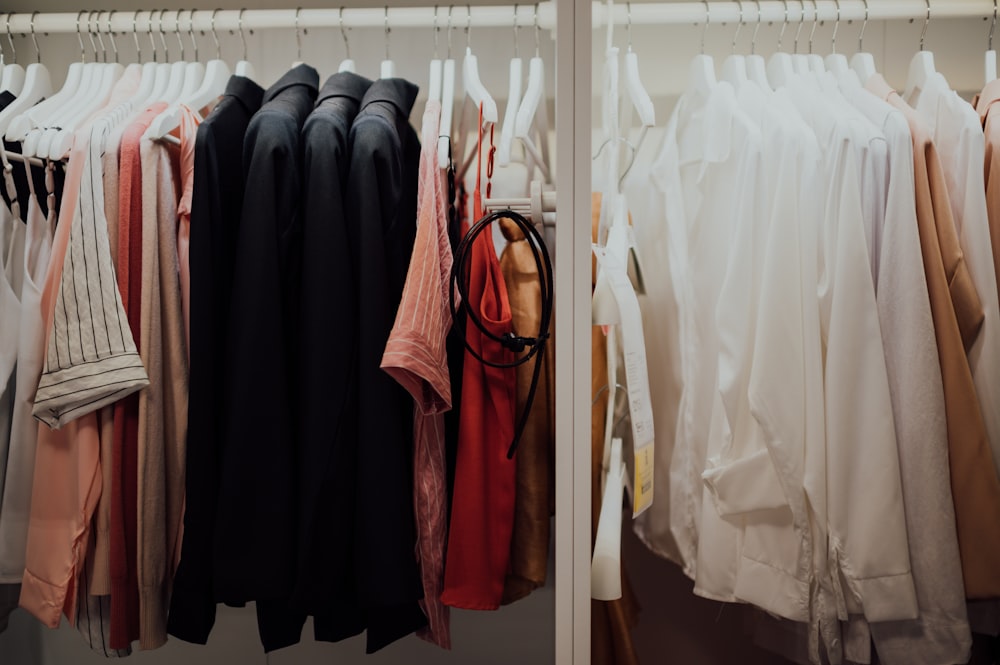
246,91
344,84
301,75
398,92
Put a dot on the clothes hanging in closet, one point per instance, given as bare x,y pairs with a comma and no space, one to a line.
817,371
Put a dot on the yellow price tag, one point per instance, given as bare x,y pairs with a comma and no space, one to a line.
642,488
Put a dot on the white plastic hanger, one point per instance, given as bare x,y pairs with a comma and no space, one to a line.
39,141
836,63
434,76
800,63
474,88
388,68
532,115
244,66
195,73
863,63
779,66
213,85
734,67
37,86
62,141
513,102
12,79
633,84
701,71
922,64
991,55
175,82
756,67
447,103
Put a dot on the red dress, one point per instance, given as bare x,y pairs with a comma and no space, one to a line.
482,514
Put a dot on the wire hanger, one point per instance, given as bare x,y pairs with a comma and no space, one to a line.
633,84
991,55
779,66
346,65
701,71
515,86
447,103
388,68
922,64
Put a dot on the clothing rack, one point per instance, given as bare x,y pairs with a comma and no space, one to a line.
655,13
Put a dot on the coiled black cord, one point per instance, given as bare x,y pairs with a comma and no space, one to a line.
511,341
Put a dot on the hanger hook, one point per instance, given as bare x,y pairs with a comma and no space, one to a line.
343,33
387,31
784,25
149,31
468,27
537,31
836,27
177,32
753,41
993,25
798,30
10,39
298,35
450,8
111,34
243,39
815,23
628,23
90,31
704,30
861,37
100,38
927,22
215,36
739,25
194,42
516,26
163,39
34,40
437,33
79,35
135,35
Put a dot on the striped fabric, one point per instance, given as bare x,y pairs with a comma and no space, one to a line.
90,358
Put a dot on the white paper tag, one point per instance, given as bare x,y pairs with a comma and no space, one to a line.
636,374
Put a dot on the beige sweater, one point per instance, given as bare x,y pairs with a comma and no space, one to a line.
163,406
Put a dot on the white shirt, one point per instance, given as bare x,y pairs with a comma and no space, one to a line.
711,148
941,633
959,138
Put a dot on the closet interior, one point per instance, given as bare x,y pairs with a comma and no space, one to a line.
600,165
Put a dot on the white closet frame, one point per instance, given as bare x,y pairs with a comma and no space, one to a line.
573,25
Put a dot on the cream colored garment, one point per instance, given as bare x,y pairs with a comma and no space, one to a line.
163,407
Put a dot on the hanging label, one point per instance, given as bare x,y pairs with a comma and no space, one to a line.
636,375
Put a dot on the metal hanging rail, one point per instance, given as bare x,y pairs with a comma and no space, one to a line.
642,13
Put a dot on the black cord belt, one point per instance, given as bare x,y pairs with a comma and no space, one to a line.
535,346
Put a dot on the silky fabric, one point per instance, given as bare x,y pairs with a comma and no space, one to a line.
534,501
989,115
611,621
482,514
958,316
